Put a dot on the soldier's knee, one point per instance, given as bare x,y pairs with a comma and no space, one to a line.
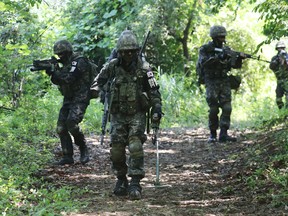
117,152
60,129
227,108
135,146
214,110
72,127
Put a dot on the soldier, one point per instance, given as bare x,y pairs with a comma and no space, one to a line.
73,80
133,91
215,66
278,65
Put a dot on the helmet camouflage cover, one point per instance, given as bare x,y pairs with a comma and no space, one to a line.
217,31
280,44
62,46
127,41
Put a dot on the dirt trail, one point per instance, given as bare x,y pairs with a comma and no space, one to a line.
196,178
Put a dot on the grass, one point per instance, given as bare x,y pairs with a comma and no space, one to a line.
28,137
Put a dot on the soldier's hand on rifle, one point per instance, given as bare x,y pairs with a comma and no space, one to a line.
222,56
49,71
156,115
242,55
94,91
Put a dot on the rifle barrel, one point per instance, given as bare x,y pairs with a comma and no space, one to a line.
144,44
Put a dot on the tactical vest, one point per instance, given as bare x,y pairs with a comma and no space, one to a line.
126,91
78,91
216,70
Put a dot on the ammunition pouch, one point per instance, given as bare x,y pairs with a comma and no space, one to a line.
124,107
235,81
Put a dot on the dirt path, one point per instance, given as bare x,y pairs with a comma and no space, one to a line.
196,178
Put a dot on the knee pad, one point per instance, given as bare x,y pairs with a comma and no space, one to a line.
227,109
135,146
61,129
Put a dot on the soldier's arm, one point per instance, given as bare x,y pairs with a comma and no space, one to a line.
67,76
274,64
101,80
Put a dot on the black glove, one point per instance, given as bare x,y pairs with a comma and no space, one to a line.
156,114
222,56
94,93
49,71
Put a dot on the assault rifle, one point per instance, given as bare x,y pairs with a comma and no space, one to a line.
44,64
235,55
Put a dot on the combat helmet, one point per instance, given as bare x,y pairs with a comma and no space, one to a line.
62,46
280,44
127,41
217,31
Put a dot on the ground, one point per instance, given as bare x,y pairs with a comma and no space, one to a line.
195,178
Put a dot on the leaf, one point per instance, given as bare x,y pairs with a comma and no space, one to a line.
2,6
110,14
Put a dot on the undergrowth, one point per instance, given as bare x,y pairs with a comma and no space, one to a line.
28,137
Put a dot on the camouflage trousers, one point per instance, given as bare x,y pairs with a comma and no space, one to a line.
70,115
218,96
282,90
128,130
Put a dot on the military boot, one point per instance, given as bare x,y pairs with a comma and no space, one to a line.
224,137
121,186
67,149
213,136
65,160
135,189
84,154
80,141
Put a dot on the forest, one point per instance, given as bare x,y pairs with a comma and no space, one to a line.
246,178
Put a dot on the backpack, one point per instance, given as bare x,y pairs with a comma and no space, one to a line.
94,68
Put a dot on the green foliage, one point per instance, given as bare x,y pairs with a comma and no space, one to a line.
27,139
183,105
274,14
28,30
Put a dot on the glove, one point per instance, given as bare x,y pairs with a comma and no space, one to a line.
156,116
94,91
222,56
49,71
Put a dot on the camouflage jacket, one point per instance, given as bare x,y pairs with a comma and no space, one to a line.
212,65
73,80
280,71
132,90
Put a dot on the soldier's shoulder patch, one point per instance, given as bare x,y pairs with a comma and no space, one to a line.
74,63
150,74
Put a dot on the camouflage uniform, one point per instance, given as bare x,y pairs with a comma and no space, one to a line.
215,67
281,73
73,80
131,86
